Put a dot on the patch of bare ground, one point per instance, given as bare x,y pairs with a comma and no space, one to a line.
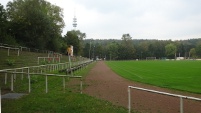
103,83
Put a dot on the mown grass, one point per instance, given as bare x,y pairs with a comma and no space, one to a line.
56,100
180,75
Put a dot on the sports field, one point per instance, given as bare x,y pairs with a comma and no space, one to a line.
181,75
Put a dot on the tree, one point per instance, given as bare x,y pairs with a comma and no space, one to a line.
3,21
143,50
198,49
86,50
35,23
170,50
192,53
126,49
75,39
113,50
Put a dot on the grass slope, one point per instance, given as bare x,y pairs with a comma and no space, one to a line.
56,100
180,75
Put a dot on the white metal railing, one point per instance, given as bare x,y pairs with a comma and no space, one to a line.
46,79
0,99
18,50
53,59
38,70
159,92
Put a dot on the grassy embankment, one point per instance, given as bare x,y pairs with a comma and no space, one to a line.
56,100
180,75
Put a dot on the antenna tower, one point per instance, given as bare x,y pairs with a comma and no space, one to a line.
74,21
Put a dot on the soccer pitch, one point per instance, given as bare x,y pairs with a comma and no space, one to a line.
180,75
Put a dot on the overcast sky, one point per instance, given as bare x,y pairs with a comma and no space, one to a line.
142,19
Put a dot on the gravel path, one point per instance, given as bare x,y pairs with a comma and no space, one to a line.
103,83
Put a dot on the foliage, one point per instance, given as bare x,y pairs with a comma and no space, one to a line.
35,23
198,49
126,48
180,75
4,28
142,48
193,53
113,50
170,50
75,38
10,62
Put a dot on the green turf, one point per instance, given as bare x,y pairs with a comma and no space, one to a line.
180,75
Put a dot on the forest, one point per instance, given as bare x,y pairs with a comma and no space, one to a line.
39,24
132,49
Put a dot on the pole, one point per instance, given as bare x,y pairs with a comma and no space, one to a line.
129,100
81,85
22,74
5,78
70,63
29,81
18,52
46,90
64,84
181,105
12,82
8,51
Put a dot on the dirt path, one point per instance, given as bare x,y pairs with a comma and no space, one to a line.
103,83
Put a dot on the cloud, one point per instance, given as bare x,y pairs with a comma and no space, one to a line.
167,19
142,19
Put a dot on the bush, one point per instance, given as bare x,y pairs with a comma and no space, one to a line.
10,62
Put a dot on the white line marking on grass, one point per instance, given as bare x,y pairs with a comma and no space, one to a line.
129,72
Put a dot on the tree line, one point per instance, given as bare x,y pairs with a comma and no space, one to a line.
37,24
129,49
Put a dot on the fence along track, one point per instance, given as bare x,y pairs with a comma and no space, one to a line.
162,93
53,67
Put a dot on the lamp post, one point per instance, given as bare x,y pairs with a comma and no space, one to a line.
90,50
93,53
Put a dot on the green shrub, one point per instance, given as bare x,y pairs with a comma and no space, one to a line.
10,62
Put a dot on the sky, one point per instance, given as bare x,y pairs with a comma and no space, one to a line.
142,19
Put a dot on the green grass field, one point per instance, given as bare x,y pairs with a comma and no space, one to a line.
180,75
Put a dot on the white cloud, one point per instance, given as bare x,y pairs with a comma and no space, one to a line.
142,19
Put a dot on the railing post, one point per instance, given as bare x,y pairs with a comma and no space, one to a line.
15,76
46,87
22,74
6,78
64,84
8,51
12,82
0,99
129,100
18,52
81,85
29,80
181,105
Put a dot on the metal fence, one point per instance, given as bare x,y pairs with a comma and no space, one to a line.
42,70
158,92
